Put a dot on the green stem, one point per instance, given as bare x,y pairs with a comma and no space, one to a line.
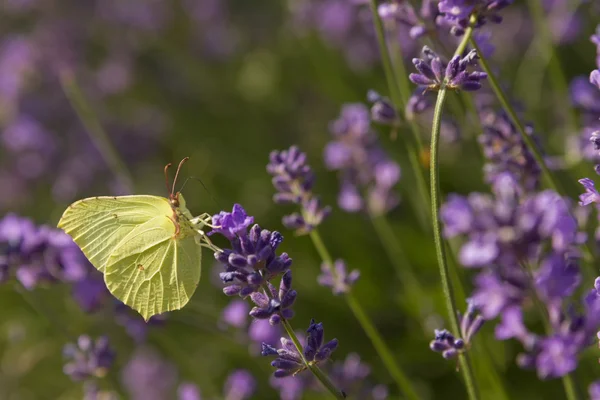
396,255
402,381
550,56
399,87
531,146
314,368
94,129
437,228
384,352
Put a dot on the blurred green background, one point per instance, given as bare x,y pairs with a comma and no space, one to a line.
226,82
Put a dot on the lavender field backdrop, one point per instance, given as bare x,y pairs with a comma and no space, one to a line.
403,196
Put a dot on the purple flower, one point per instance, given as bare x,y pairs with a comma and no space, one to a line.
367,175
351,375
505,151
134,324
595,78
435,73
88,358
235,314
458,12
557,357
594,390
147,376
382,110
420,23
230,224
240,385
470,324
251,260
40,254
188,391
337,277
591,195
277,304
289,361
294,180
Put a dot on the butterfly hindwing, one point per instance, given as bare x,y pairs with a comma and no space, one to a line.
151,270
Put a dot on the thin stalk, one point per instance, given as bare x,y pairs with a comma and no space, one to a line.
94,128
550,56
395,253
465,366
439,244
402,381
399,88
314,368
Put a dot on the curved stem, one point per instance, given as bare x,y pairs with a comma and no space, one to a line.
402,381
437,228
314,368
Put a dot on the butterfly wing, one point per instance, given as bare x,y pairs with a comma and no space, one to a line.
99,224
151,270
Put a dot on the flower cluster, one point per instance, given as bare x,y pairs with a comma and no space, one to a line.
447,344
382,110
555,355
88,358
506,152
459,13
525,245
277,304
368,175
294,180
251,261
419,22
337,278
36,255
435,73
290,362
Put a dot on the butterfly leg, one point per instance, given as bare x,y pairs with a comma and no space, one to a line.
205,219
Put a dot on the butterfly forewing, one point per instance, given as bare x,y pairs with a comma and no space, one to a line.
98,224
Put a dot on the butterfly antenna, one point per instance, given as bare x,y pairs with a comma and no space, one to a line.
177,173
167,176
204,186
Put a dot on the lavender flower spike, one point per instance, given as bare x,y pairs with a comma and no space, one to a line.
591,194
458,12
88,358
289,361
447,344
433,73
337,277
251,260
278,304
595,78
294,179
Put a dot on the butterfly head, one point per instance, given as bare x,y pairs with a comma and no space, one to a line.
175,198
